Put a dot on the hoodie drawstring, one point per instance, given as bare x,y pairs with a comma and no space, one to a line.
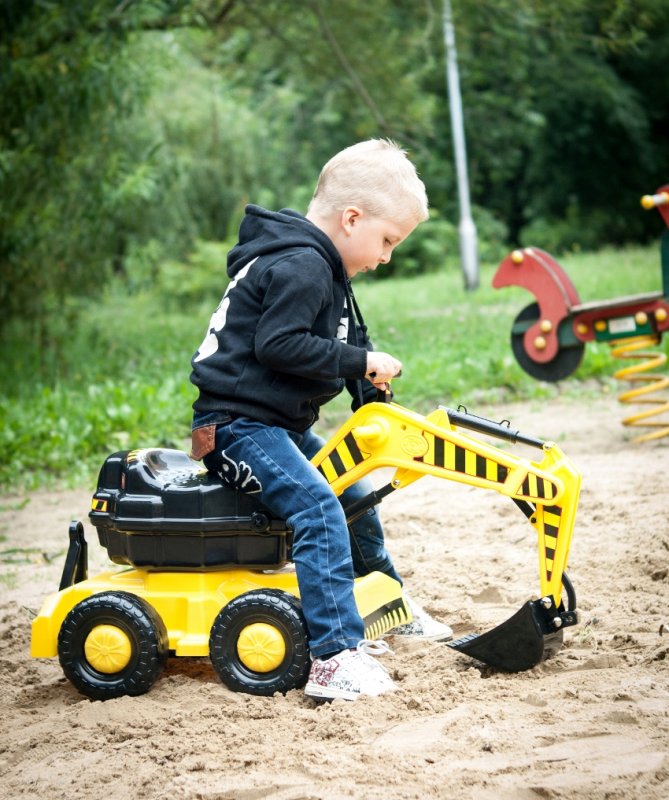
356,316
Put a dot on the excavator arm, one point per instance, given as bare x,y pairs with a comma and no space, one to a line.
382,435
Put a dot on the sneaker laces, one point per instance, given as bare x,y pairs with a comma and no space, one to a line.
365,652
373,647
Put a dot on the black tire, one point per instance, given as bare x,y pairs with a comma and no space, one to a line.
561,366
277,615
128,620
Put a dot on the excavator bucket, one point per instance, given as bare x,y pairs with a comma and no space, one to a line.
532,634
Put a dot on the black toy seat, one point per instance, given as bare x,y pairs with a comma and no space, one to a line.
157,508
162,467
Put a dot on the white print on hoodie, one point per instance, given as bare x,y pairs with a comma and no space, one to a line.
217,322
342,330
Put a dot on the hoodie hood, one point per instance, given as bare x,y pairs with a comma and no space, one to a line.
283,339
264,232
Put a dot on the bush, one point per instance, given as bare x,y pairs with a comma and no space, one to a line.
200,278
65,432
436,243
574,232
492,236
426,250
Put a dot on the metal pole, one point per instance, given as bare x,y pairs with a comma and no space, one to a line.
466,228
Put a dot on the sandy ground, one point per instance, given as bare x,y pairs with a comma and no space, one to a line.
593,722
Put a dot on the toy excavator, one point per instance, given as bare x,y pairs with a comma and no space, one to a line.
207,572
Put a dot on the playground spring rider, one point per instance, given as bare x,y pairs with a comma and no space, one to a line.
548,336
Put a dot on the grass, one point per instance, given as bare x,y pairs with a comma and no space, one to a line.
122,377
454,344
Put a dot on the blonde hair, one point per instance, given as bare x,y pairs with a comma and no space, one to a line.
375,175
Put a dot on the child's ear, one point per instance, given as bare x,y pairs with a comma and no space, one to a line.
350,215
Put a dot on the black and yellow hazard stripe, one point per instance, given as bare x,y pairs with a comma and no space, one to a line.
537,488
343,458
98,505
551,528
384,619
447,455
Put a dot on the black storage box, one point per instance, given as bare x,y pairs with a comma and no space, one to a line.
159,509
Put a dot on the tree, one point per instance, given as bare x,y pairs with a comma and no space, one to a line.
565,129
129,130
64,84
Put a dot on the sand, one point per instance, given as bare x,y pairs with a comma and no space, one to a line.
592,722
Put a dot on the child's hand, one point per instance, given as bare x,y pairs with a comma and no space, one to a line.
381,368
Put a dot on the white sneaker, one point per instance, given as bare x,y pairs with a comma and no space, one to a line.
350,674
423,626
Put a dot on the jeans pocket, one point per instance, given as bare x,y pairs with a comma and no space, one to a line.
227,458
202,441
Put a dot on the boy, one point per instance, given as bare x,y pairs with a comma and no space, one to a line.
285,340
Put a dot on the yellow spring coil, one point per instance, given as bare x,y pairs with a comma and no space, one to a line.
651,384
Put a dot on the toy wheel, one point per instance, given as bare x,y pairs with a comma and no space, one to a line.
565,362
258,643
112,644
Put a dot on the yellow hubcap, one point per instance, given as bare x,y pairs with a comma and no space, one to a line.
107,649
261,647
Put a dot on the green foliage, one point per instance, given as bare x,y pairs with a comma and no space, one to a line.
62,431
199,278
435,244
123,379
454,344
576,230
561,127
492,236
64,98
432,244
132,134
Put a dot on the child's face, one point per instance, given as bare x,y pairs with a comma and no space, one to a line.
367,241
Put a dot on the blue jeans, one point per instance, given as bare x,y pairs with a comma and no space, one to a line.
368,547
273,463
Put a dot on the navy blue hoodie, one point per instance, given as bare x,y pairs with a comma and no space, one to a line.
283,340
